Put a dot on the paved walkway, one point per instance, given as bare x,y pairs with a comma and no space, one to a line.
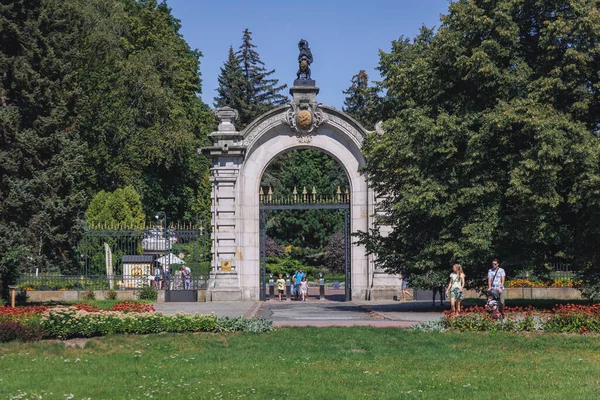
318,312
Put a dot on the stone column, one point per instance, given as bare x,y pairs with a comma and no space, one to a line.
227,154
385,285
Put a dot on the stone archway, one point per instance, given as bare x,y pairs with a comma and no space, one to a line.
239,160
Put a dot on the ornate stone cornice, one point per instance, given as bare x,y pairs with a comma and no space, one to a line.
322,115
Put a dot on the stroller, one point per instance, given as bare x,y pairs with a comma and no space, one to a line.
493,305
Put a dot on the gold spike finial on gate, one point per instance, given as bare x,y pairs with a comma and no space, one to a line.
295,192
339,194
347,196
261,195
304,192
270,195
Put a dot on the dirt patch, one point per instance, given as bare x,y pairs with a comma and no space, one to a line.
80,342
358,351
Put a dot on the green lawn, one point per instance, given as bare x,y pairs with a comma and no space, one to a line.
319,363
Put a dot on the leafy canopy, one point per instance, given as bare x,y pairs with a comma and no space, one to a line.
123,207
491,145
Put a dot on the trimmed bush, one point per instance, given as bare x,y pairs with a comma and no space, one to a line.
89,295
70,322
10,331
148,293
232,324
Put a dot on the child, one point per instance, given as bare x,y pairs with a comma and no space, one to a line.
304,288
280,286
492,305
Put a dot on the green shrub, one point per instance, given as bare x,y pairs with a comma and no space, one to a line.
10,330
430,326
290,265
482,322
111,295
89,295
148,293
21,297
65,323
69,322
239,324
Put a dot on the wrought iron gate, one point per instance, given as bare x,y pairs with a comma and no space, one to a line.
118,257
305,201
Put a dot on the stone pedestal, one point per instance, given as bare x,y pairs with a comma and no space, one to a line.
385,286
223,286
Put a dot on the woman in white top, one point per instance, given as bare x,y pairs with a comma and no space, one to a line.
455,288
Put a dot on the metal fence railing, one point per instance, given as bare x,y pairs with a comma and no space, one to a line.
556,275
105,282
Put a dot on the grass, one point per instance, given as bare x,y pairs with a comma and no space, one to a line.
300,363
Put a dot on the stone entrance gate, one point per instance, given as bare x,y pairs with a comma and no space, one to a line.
239,160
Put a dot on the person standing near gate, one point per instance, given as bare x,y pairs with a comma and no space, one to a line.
157,277
186,274
298,279
166,278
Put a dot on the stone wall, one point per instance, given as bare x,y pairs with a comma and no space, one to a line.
534,293
36,296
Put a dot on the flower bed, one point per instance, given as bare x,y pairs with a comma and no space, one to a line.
557,283
563,318
573,318
20,314
86,320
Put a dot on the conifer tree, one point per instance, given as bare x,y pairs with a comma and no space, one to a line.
361,100
232,85
262,92
40,152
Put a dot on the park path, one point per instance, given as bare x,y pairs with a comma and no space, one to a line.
317,313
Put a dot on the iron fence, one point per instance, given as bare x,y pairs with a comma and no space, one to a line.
556,275
132,252
47,282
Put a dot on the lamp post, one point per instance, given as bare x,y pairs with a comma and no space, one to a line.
82,259
162,216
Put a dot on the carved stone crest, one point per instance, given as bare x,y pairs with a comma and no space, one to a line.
304,118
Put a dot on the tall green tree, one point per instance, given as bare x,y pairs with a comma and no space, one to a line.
232,85
41,159
491,146
246,85
140,115
94,95
361,101
123,208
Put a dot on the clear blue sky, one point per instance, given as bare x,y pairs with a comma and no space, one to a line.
344,35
